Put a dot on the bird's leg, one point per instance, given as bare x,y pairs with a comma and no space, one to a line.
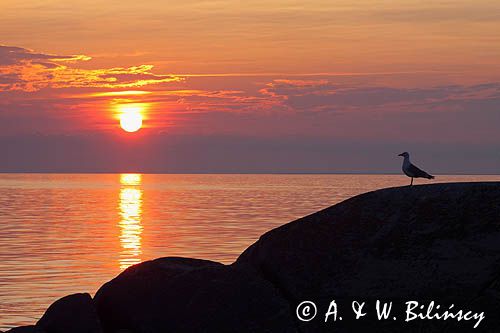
411,181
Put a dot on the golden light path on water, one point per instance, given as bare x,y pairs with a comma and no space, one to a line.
130,210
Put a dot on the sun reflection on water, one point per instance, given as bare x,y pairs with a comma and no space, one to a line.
130,219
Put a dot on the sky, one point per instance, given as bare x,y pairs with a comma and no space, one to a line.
250,86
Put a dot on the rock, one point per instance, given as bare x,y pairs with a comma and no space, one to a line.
435,242
189,295
74,313
25,329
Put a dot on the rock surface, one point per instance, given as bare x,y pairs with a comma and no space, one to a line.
189,295
434,242
74,313
25,329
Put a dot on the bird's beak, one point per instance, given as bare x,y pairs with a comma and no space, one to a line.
400,155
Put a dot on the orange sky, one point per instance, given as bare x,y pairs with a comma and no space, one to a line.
414,72
263,36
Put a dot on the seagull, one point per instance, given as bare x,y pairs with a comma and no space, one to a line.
411,170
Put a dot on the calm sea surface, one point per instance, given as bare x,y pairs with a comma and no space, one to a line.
67,233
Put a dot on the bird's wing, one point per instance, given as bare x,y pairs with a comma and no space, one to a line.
418,173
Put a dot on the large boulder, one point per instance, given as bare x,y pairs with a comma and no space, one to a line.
435,242
74,313
190,295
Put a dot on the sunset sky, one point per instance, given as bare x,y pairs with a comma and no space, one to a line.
250,86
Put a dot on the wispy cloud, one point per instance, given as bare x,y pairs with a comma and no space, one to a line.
325,95
119,93
23,69
13,55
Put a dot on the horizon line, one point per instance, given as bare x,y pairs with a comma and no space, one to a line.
237,173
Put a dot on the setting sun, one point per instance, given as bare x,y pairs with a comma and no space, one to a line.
130,118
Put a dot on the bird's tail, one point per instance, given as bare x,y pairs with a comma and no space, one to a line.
430,176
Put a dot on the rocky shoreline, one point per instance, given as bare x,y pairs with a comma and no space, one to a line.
437,242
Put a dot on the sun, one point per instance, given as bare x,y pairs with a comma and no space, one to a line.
131,122
130,118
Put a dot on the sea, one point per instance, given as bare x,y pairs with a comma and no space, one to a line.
67,233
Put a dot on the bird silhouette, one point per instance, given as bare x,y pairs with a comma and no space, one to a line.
411,170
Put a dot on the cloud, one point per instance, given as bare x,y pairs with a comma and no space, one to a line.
26,70
51,94
12,55
167,153
324,95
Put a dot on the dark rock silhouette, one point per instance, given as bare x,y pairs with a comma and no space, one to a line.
24,329
434,242
189,295
74,313
425,243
